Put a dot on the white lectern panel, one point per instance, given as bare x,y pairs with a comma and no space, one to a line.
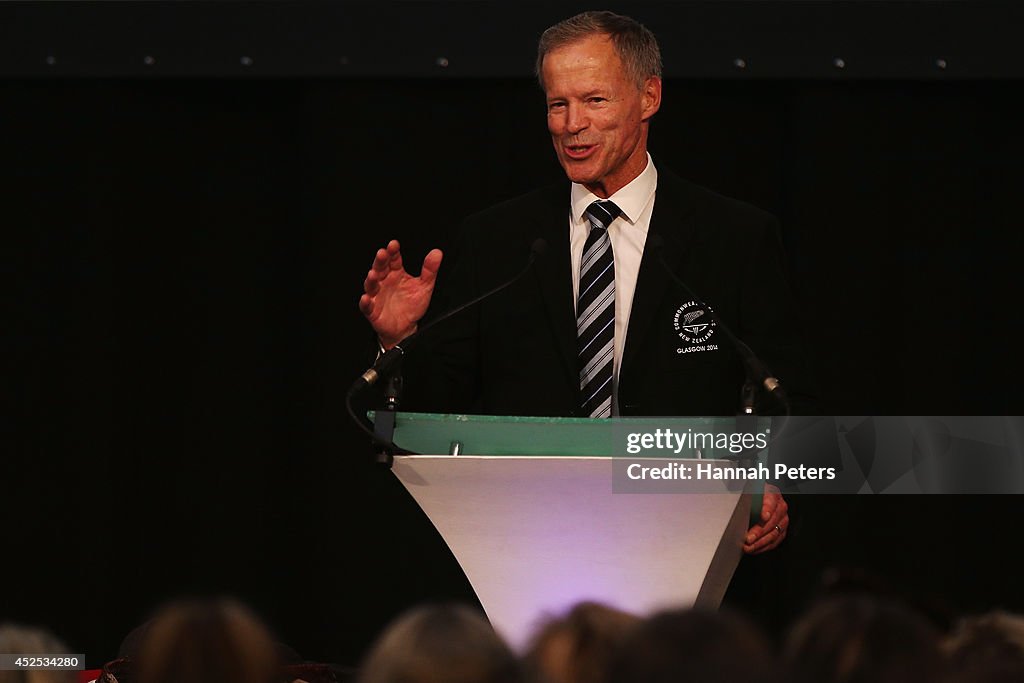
539,534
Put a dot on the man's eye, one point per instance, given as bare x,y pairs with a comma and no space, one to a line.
556,105
597,99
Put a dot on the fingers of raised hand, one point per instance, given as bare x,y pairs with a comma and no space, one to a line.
388,258
371,285
394,255
431,264
381,260
366,305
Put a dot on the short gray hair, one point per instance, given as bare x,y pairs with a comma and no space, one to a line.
636,45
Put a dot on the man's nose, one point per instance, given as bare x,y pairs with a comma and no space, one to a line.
576,119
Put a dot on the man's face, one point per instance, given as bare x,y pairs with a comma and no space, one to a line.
596,114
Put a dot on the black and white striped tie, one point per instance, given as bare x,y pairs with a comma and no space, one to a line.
595,312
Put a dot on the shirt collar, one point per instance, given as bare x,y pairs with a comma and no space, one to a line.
632,198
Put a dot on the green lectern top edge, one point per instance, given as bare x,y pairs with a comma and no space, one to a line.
439,434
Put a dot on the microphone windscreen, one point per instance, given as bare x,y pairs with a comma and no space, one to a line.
539,246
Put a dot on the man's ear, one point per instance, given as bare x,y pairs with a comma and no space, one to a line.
650,97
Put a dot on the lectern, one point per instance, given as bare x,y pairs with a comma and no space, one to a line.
542,513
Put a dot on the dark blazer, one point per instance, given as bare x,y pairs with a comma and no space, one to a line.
515,354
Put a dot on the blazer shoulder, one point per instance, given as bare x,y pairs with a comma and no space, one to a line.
512,211
726,213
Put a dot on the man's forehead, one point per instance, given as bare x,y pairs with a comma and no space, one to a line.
587,64
597,46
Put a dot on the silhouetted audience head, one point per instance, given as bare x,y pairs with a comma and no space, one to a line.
693,646
22,640
578,648
854,581
987,648
859,639
440,644
199,641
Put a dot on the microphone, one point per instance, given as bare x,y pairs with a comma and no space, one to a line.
757,372
387,361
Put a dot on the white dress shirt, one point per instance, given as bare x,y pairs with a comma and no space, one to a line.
628,234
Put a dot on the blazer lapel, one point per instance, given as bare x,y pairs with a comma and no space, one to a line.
674,221
554,273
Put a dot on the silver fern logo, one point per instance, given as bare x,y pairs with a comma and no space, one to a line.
694,324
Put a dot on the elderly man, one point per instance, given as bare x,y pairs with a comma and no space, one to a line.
601,328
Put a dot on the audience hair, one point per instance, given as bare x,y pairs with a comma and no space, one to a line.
695,646
861,639
578,647
440,644
989,648
24,640
204,641
843,639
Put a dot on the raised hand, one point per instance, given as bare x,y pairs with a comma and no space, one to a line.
393,300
